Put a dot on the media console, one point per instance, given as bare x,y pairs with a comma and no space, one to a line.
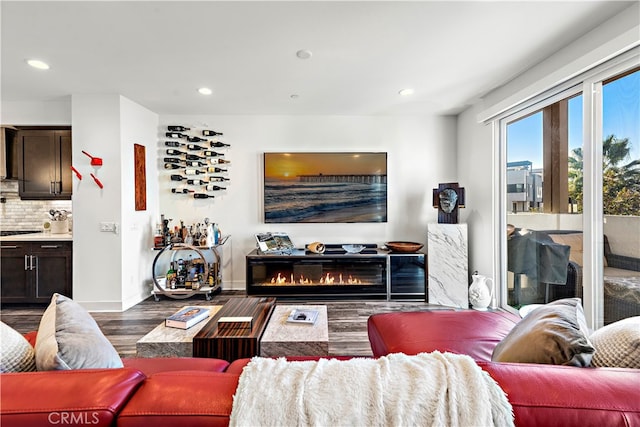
372,273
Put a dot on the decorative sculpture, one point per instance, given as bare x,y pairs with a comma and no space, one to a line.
447,198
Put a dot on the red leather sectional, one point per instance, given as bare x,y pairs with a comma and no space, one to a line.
195,392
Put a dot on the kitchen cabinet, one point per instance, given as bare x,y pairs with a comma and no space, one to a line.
44,164
33,271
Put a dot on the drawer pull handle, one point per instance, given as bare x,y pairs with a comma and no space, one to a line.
8,247
49,246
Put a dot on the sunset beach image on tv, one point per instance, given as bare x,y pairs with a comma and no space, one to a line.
325,187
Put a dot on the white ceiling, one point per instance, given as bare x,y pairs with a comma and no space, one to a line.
158,53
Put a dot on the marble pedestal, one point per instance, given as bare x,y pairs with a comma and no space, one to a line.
171,342
282,338
447,246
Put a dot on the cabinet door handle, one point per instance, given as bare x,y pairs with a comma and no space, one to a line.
32,266
52,189
8,247
49,246
26,263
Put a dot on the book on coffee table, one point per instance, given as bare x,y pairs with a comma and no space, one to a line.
303,316
187,317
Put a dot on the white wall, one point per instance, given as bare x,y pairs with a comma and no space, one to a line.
421,153
57,112
97,260
475,170
111,270
137,126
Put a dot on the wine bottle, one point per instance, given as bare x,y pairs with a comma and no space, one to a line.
173,144
183,190
218,144
177,177
196,164
194,172
172,160
172,166
210,153
210,133
212,169
173,152
216,160
195,139
195,157
196,182
214,188
202,196
218,179
175,135
177,128
195,147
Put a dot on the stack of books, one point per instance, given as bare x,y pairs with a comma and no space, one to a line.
187,317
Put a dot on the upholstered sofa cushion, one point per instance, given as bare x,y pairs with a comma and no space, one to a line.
17,353
555,333
618,344
69,338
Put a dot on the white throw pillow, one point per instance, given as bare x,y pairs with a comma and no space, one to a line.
618,344
17,353
69,338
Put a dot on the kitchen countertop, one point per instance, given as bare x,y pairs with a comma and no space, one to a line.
35,237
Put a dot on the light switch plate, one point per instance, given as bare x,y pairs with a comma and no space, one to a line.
109,227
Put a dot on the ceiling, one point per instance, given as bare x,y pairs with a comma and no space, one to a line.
363,53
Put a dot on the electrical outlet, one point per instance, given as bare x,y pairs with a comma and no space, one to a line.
108,227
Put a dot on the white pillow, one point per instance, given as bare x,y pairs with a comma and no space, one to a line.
69,338
17,353
618,344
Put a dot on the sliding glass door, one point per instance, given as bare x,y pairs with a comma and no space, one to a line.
570,194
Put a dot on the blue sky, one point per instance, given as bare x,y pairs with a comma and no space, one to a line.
621,117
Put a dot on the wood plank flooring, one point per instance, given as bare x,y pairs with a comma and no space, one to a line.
347,319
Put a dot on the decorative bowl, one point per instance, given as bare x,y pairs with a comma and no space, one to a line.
404,246
353,249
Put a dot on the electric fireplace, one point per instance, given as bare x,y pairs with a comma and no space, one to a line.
332,274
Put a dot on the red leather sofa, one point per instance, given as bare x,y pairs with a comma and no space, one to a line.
541,395
199,392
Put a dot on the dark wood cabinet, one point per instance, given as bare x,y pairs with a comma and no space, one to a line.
44,164
33,271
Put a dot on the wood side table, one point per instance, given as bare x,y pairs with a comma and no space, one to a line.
235,343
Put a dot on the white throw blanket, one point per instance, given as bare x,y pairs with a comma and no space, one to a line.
429,389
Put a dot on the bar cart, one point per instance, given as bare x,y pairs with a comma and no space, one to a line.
181,271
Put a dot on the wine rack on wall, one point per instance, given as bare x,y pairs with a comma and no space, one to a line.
195,161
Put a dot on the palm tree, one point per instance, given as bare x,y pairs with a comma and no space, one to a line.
620,183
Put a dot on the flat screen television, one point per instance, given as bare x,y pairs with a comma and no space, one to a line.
325,187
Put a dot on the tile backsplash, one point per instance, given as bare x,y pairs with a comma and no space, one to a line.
16,214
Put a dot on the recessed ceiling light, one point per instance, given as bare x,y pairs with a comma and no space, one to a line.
205,91
36,63
406,92
304,54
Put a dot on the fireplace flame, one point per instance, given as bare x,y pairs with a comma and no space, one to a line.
327,279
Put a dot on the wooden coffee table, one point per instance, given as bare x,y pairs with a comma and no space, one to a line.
234,344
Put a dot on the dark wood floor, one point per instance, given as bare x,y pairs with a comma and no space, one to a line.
347,320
